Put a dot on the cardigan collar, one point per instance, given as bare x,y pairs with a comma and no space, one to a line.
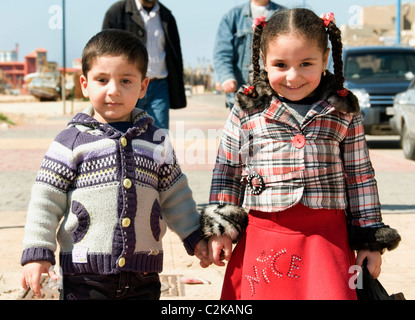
140,122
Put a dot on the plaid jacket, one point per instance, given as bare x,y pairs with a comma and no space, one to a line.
322,162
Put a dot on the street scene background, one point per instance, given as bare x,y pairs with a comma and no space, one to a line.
28,126
23,145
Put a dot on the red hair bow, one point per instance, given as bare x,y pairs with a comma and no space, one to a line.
342,93
249,90
260,21
327,18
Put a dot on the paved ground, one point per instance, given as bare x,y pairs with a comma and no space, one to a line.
195,131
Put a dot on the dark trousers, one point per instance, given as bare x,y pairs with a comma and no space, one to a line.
122,286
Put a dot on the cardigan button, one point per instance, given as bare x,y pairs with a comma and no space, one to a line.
121,262
299,141
126,222
123,141
127,183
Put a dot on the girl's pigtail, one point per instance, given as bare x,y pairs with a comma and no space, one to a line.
334,34
258,25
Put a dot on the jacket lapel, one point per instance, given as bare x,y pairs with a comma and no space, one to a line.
131,8
278,112
318,109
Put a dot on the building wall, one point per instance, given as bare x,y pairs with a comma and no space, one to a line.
377,26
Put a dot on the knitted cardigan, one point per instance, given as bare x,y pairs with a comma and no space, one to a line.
115,192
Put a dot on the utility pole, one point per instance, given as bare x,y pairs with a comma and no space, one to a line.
63,89
398,22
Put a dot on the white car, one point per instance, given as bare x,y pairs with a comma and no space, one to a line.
403,120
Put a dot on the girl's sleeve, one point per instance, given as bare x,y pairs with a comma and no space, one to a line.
366,229
226,187
224,216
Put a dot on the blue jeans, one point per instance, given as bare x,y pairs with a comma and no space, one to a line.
157,102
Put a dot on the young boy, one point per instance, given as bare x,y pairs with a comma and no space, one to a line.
113,178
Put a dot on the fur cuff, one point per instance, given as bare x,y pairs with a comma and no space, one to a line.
373,239
223,220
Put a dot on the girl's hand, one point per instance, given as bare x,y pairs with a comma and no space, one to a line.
220,248
374,261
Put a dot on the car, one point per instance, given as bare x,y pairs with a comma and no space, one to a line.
376,74
47,86
403,120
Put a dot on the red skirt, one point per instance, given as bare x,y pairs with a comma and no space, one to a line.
297,254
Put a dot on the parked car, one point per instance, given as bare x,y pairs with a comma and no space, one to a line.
376,75
403,120
46,86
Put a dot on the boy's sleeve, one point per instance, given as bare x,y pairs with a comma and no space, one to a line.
177,203
48,202
366,229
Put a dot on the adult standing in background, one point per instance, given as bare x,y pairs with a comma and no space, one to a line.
232,51
156,27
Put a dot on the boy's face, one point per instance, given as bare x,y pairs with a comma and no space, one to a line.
113,86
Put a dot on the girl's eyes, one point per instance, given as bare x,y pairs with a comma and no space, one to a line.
282,65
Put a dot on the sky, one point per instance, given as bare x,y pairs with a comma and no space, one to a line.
35,24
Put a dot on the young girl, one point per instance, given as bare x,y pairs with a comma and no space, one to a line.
295,139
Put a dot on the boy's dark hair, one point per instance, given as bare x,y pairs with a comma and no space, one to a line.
114,42
305,23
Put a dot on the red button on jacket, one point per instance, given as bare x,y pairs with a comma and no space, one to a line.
299,141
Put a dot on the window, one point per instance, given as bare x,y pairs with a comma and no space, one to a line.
397,65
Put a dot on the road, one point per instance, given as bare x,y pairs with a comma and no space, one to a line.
195,132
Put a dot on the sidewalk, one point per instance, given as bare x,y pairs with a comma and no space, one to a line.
22,148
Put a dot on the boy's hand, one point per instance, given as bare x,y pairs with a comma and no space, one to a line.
220,248
374,261
31,275
202,253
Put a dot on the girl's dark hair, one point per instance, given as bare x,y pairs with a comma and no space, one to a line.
113,42
307,24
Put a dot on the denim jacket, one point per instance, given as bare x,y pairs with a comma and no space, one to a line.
232,50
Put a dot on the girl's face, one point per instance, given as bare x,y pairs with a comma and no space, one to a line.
295,66
113,86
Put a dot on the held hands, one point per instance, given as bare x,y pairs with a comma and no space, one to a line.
31,275
220,248
215,250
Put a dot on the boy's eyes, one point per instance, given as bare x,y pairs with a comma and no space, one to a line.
123,81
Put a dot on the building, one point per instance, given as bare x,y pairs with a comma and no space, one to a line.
13,71
376,25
